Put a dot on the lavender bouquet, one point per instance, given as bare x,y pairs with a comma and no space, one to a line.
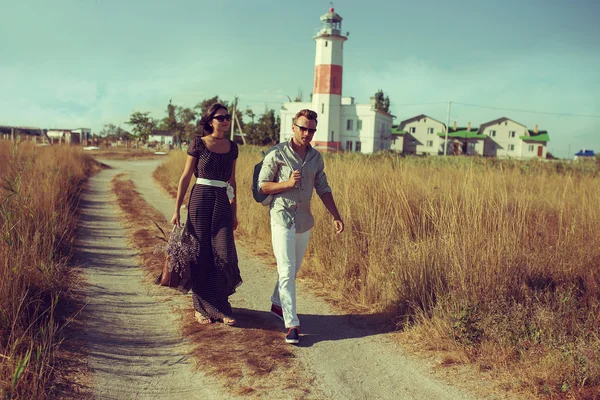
178,250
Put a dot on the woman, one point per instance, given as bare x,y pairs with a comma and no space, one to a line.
212,217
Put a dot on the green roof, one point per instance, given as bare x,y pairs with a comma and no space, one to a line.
539,137
464,134
395,131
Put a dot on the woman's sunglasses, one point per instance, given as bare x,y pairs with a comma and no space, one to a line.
222,118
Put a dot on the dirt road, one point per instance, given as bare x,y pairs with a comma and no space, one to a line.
135,350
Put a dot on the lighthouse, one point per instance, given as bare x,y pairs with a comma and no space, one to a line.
327,90
343,126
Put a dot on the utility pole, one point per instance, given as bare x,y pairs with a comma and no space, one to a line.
446,136
240,128
233,122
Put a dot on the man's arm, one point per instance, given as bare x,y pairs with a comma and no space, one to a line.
278,187
267,175
327,199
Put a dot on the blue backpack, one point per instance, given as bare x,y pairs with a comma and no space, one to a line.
264,199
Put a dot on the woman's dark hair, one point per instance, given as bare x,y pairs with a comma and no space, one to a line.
208,116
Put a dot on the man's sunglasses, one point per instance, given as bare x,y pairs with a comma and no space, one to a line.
222,118
305,129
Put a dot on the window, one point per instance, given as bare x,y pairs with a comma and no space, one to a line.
359,124
326,43
348,145
430,131
412,129
492,133
511,134
322,108
530,148
511,147
430,143
357,146
349,124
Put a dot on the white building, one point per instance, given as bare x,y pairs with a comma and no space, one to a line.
420,136
506,138
85,134
62,136
342,124
162,137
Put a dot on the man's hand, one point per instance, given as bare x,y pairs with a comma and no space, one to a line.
339,226
294,179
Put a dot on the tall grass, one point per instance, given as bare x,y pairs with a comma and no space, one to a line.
39,192
499,260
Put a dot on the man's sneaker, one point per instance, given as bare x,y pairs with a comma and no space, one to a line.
293,336
277,311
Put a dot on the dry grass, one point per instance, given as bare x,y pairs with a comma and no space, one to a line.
250,358
496,263
38,214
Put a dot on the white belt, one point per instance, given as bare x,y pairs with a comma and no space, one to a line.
212,182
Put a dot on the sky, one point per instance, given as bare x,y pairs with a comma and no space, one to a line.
87,63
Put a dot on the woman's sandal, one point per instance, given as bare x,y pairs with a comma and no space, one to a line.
202,319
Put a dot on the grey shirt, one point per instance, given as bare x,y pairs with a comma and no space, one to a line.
292,207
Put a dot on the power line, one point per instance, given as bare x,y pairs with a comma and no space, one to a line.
417,104
529,111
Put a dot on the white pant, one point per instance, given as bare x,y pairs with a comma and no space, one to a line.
289,248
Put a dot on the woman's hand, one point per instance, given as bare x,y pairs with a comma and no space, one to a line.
235,222
176,219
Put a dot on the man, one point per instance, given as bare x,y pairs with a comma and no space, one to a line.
290,171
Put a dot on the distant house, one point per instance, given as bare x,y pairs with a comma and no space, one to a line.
63,136
21,133
506,138
85,134
397,141
585,155
162,137
464,140
420,135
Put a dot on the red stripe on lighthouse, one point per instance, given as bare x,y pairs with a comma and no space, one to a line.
328,79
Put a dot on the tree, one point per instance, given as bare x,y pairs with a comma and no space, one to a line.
111,131
143,125
382,102
268,127
204,104
186,118
250,114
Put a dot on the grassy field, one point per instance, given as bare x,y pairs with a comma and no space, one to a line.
489,262
39,194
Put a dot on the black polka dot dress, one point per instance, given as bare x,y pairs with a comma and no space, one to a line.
214,263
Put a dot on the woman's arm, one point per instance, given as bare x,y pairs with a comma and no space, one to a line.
233,201
184,182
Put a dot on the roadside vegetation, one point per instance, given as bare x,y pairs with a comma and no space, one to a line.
39,192
488,262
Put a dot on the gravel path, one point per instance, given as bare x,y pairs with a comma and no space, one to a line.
134,348
136,351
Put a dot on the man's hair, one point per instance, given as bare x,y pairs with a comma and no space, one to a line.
309,114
